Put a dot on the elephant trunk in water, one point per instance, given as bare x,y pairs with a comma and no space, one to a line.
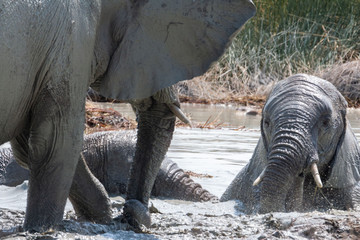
180,185
291,152
156,124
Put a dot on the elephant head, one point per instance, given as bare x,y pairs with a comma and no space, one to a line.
305,133
306,143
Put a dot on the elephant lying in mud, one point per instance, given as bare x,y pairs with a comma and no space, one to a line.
52,51
307,157
109,156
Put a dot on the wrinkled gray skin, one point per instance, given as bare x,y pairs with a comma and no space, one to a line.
109,156
303,121
51,51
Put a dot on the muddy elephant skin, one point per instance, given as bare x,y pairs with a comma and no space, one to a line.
307,157
51,51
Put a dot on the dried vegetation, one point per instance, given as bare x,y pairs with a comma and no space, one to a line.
99,119
284,38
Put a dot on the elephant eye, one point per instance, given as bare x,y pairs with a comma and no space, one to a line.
326,122
266,123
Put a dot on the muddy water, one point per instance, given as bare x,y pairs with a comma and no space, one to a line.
220,154
226,115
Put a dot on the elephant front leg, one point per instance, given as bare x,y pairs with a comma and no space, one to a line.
156,124
50,148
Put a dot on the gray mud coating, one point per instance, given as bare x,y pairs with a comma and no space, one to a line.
199,225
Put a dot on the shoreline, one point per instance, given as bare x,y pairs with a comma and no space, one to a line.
100,118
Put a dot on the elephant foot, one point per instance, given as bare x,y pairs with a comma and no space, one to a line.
136,214
39,229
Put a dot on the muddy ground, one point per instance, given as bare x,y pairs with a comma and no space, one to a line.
184,220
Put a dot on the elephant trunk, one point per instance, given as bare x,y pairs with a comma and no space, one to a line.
175,183
154,138
156,123
275,185
282,180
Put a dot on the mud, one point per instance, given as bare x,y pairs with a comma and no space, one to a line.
185,220
313,225
221,156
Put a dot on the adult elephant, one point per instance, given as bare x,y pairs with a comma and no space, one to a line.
51,51
307,157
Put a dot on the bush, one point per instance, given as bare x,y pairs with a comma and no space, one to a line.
287,37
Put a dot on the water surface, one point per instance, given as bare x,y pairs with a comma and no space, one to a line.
220,153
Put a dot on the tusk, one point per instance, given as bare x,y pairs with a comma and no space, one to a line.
316,175
178,113
260,178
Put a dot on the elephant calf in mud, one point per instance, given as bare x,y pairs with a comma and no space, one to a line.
307,157
109,155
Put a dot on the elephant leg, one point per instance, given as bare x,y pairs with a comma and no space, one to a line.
50,147
20,148
88,196
156,124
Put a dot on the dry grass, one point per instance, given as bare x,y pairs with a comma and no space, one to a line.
346,78
285,37
198,175
200,90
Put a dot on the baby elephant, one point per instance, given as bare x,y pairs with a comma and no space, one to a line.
109,156
307,157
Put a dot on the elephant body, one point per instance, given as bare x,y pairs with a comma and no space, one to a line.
303,123
109,156
51,51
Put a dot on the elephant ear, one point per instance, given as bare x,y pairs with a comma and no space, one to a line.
169,41
345,171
